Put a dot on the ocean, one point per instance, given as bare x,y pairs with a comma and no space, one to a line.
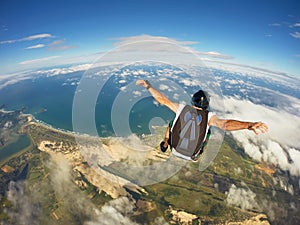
50,99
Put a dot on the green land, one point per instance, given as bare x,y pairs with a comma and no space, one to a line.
200,194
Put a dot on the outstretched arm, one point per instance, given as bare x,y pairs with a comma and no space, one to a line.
158,96
231,125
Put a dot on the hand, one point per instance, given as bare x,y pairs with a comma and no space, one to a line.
143,83
258,126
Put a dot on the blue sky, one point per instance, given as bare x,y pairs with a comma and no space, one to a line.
263,34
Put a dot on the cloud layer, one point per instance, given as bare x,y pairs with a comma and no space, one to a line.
280,146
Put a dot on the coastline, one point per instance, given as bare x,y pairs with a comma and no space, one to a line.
23,120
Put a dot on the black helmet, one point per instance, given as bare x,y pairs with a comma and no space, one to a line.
200,99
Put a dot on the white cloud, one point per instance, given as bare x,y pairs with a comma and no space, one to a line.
242,197
39,60
176,96
122,81
59,45
116,212
36,46
295,34
187,82
295,156
137,93
296,25
28,38
275,24
123,88
37,36
125,73
163,87
215,55
139,72
234,81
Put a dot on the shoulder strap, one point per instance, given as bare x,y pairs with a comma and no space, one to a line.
189,130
